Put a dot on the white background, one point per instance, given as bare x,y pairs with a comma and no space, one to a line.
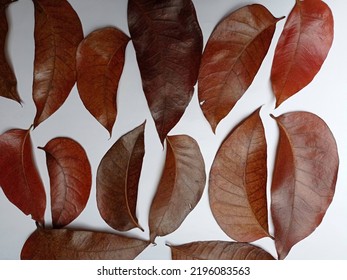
326,96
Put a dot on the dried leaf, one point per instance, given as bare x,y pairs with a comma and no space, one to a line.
100,61
218,250
64,244
237,186
304,178
117,180
70,179
232,58
180,188
168,44
19,177
302,48
58,31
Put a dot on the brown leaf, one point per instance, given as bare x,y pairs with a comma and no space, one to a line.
237,186
302,48
180,187
232,58
70,179
117,180
100,61
168,43
58,31
304,178
65,244
218,250
8,81
19,177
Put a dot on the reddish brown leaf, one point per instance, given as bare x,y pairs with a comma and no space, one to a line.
180,188
168,43
70,178
304,178
237,187
100,61
117,180
232,58
64,244
218,250
302,48
19,177
58,31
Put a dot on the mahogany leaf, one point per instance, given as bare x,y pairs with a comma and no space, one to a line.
70,179
232,58
304,178
302,48
117,180
168,44
58,31
19,177
180,187
218,250
65,244
237,185
100,61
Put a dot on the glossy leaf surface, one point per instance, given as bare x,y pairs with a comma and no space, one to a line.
19,177
70,179
232,58
302,48
117,180
218,250
304,178
180,187
100,61
168,44
64,244
57,33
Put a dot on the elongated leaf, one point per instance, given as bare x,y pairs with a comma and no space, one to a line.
180,187
64,244
232,58
58,31
302,48
100,61
117,180
19,177
8,81
70,178
304,178
168,43
237,186
218,250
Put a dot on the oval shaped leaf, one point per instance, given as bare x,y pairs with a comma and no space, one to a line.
237,186
218,250
19,178
302,48
304,178
232,58
117,180
58,31
64,244
70,179
100,61
180,187
168,44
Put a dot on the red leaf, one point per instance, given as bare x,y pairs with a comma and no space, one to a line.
58,31
302,48
168,43
70,178
19,177
304,178
100,61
